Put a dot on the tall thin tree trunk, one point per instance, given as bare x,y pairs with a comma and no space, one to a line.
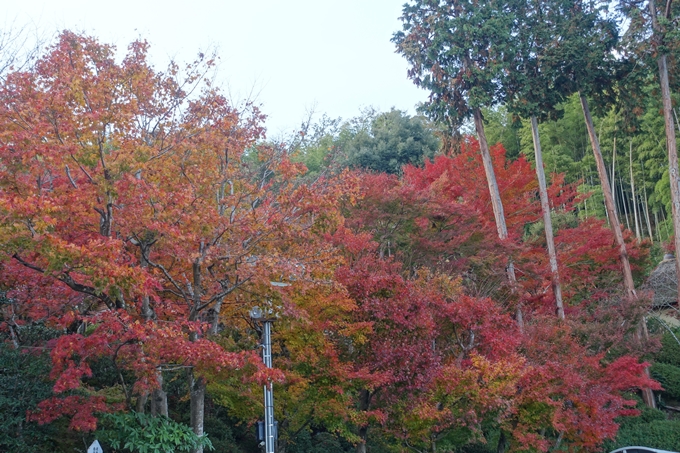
656,225
647,394
624,202
144,249
613,178
585,199
197,385
638,223
364,404
547,221
649,222
361,446
604,202
585,206
197,405
672,156
609,201
496,202
665,223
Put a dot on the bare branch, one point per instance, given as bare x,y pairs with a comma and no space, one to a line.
70,178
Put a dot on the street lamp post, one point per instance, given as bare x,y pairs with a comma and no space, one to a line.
270,433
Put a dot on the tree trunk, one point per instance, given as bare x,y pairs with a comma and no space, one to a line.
197,404
144,251
648,220
364,404
665,223
672,156
613,178
609,201
624,202
629,286
502,443
141,402
638,223
496,202
214,317
547,221
159,398
585,199
361,446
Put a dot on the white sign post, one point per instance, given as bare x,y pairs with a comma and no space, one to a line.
95,448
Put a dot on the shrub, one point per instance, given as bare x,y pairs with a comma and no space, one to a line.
142,433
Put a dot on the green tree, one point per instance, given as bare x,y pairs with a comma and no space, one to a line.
377,141
23,384
501,126
395,139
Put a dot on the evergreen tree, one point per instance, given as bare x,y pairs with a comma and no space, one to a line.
458,50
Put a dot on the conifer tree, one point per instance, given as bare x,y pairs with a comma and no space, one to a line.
532,94
458,51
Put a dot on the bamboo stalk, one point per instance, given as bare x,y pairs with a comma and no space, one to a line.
629,285
632,189
644,188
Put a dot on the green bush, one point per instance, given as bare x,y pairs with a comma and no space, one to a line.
24,383
142,433
664,435
669,377
670,349
321,442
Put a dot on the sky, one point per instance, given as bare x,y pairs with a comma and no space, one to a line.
292,56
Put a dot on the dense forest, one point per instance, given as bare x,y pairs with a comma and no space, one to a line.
474,278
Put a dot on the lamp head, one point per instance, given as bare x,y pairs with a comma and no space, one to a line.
256,313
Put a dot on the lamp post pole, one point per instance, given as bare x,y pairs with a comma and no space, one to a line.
270,433
268,390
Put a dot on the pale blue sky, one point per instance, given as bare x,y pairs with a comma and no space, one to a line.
331,56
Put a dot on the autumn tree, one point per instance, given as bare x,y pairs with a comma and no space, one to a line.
134,210
434,223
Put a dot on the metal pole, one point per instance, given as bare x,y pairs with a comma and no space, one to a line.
268,391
